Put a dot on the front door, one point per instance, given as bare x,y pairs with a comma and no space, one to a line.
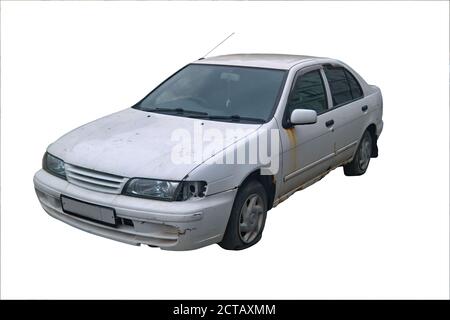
308,150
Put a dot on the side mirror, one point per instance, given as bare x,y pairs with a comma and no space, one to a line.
303,116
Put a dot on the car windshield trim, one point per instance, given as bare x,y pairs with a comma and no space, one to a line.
187,112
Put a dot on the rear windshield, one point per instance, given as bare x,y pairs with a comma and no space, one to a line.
225,92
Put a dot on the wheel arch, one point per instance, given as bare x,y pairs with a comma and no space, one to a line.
268,182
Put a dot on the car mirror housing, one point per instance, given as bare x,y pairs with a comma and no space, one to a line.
303,116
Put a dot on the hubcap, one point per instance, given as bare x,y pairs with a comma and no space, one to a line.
364,153
251,218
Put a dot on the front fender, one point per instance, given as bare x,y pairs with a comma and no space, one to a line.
228,169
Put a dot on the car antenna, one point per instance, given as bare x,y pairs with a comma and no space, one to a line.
216,46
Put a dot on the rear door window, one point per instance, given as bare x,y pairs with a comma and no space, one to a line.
343,85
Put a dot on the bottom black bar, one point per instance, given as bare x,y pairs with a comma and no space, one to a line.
231,309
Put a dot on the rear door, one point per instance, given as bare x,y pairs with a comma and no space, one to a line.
348,111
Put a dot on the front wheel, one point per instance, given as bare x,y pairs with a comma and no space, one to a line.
360,162
247,218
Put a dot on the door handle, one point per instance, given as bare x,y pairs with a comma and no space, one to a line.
329,123
364,108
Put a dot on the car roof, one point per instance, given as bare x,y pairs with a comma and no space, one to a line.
261,60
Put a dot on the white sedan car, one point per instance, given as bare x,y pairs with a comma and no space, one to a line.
205,155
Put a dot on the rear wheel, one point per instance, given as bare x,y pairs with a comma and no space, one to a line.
247,218
360,162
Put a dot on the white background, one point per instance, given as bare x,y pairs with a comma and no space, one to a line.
381,235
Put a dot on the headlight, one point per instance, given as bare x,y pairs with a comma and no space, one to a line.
149,188
164,190
53,165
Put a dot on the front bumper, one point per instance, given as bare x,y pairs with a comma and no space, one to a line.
178,225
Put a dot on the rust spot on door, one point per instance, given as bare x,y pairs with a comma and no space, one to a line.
292,136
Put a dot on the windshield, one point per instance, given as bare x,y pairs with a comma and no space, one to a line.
224,93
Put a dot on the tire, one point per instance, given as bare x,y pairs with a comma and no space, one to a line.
247,218
361,160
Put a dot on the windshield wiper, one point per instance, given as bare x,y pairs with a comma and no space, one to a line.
176,110
205,115
236,118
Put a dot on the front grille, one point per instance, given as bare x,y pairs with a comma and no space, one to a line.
94,180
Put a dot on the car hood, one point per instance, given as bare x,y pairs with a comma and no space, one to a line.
134,143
